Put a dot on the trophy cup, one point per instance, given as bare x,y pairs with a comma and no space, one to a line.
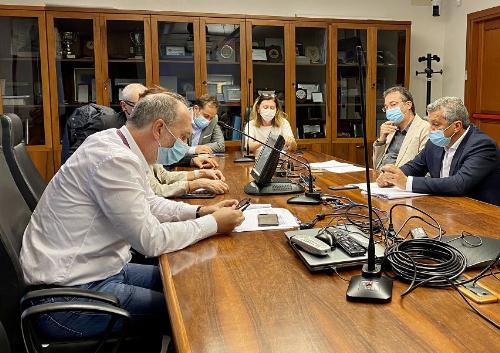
137,39
68,38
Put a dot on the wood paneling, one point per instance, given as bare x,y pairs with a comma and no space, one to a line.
44,162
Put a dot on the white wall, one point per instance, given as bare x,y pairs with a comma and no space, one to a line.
444,35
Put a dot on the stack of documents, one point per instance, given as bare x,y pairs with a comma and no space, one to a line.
286,219
335,167
389,193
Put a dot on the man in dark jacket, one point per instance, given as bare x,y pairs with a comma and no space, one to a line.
460,159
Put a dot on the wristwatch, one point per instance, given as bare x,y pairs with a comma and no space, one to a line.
198,212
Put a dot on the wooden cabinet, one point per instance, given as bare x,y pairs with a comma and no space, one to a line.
24,81
77,57
386,53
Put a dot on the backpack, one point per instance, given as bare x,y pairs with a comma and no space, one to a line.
83,122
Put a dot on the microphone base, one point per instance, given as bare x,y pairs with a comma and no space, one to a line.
309,198
246,158
370,289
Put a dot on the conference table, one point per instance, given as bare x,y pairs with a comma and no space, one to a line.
250,292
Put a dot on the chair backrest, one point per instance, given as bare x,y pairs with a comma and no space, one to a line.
83,122
27,178
14,217
4,340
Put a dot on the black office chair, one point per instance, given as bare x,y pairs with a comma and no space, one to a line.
27,178
4,340
16,309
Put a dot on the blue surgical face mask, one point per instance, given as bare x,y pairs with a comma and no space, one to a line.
437,137
395,115
171,155
201,122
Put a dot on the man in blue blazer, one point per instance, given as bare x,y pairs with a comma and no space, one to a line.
460,159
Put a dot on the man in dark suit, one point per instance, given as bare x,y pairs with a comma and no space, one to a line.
460,159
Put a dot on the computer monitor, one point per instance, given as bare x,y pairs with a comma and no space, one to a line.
264,169
266,164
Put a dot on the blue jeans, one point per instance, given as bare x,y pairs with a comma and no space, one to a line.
139,290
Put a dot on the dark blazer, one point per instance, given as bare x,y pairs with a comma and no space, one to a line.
474,170
212,136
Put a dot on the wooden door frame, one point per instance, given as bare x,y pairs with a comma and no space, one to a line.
475,23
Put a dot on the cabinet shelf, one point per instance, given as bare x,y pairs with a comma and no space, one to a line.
24,106
230,104
86,60
180,61
126,60
310,104
222,63
312,64
21,59
261,63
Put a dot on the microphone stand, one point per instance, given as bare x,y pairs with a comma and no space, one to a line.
310,197
246,156
371,286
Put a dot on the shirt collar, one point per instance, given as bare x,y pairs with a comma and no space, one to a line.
457,142
134,148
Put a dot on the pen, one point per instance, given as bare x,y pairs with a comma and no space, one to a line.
343,187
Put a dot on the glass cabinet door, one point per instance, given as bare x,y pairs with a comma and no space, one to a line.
72,52
348,96
311,81
126,57
21,75
223,77
391,66
176,55
268,61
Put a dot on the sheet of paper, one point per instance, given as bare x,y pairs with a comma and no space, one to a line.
285,218
345,169
328,164
389,193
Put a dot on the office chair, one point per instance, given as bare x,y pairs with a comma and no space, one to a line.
16,310
27,178
4,340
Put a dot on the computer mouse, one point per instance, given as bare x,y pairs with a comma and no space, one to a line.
328,238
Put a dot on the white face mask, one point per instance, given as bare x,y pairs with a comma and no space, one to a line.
267,114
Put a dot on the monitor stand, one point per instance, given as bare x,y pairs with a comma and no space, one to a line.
245,158
273,188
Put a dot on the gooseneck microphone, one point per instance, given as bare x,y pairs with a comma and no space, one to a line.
246,157
371,286
310,197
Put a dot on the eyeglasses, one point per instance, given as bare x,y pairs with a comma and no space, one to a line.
129,103
392,105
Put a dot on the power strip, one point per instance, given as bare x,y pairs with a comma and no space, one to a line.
477,293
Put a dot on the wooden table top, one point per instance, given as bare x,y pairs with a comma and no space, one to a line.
249,292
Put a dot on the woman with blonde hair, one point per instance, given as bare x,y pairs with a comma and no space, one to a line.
268,117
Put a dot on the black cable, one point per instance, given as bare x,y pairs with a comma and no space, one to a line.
390,232
433,259
454,286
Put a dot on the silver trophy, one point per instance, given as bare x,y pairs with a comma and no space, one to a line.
137,39
68,38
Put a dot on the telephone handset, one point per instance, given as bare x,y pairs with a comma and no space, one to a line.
311,245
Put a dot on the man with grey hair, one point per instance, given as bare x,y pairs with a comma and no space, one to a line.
460,159
113,208
404,134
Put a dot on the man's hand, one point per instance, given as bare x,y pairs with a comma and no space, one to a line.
204,162
203,149
225,214
214,186
212,174
386,129
382,182
227,218
394,176
204,210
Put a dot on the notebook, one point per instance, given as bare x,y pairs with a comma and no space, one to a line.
336,258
